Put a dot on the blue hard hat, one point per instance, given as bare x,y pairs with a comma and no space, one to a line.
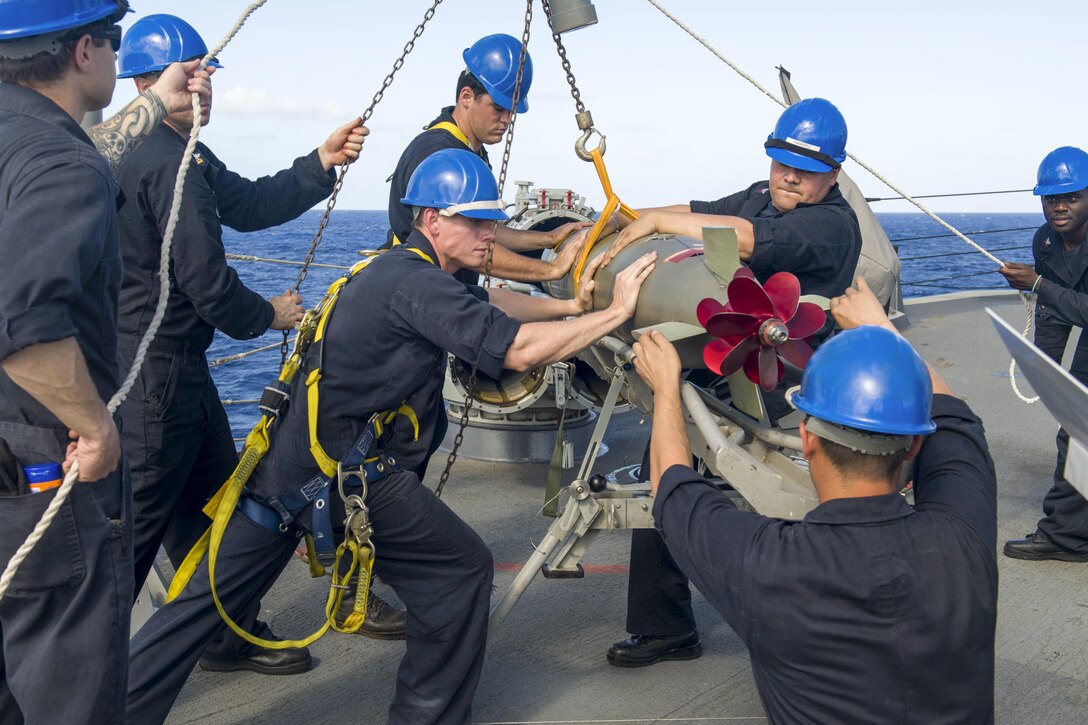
27,18
1063,170
871,379
493,61
810,135
456,181
155,41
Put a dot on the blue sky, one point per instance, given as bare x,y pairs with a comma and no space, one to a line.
940,97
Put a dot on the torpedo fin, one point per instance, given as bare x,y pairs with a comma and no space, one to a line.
820,300
721,252
672,331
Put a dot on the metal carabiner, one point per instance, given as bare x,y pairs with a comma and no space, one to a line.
342,476
580,144
357,524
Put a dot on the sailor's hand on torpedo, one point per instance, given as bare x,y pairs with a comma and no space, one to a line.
98,453
628,283
656,360
179,81
557,235
289,311
644,226
859,307
344,145
567,256
1019,276
586,285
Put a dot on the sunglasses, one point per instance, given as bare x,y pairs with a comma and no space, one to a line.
111,33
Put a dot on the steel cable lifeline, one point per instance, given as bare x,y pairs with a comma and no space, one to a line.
331,204
1028,303
160,311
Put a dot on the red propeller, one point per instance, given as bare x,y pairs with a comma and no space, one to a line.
759,324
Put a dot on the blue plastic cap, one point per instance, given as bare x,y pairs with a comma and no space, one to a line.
493,61
156,41
1064,170
871,379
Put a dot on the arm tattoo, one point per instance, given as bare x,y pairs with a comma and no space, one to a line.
123,132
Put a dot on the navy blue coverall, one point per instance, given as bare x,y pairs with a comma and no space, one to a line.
1062,305
820,244
64,621
400,216
867,610
386,343
176,435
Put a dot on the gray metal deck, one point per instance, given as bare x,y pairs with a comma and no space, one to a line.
546,664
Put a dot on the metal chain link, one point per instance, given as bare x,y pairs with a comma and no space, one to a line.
574,92
331,204
517,95
470,390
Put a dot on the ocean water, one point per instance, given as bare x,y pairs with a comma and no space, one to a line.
934,262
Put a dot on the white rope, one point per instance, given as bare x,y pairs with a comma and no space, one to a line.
1030,304
251,258
247,353
160,311
871,170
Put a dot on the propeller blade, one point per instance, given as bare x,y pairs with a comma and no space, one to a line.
707,306
807,321
744,272
732,325
796,352
747,295
784,291
737,356
714,353
764,369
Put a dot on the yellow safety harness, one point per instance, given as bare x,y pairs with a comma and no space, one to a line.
357,529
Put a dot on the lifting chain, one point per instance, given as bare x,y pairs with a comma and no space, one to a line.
470,390
583,117
517,94
574,92
331,204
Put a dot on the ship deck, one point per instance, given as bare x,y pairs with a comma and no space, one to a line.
546,663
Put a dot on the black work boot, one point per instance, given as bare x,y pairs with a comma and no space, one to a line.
642,650
383,620
1039,547
289,661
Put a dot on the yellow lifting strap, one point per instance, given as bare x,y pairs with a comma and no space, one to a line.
610,208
